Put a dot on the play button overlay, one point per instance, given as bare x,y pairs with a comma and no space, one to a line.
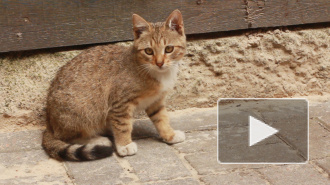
257,131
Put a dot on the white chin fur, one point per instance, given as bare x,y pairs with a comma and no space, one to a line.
166,77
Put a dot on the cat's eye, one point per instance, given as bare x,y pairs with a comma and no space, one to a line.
169,49
149,51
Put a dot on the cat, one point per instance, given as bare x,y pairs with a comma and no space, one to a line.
97,93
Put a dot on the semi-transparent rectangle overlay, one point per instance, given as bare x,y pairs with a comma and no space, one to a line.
241,120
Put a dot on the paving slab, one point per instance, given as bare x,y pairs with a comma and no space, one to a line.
324,164
261,154
104,171
201,153
17,141
188,181
235,178
187,120
321,111
194,119
290,117
31,167
201,150
206,163
198,142
143,129
319,137
238,136
303,174
228,115
232,146
156,161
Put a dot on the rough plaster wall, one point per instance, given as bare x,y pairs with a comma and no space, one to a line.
274,63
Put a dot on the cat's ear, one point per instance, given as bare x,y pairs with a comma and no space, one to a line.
175,22
139,25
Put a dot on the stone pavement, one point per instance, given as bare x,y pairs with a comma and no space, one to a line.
22,160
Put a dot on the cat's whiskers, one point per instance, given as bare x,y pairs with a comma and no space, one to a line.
174,66
144,70
147,71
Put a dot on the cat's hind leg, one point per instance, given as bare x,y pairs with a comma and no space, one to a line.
120,122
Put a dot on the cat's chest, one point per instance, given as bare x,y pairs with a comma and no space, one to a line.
150,96
145,102
167,81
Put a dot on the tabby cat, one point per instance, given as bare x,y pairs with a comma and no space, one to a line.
97,93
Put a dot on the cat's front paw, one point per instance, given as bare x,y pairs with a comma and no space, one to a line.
126,150
178,137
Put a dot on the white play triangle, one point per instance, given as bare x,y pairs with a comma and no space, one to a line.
259,131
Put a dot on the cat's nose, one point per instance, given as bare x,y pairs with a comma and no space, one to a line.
160,64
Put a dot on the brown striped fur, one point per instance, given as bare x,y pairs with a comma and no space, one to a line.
98,91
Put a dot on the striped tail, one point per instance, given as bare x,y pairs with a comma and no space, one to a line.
73,152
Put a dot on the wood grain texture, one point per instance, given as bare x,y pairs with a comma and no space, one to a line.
35,24
263,13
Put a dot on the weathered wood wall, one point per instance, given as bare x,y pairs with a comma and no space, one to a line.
34,24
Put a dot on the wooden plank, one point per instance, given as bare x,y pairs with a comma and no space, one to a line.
38,24
35,24
262,13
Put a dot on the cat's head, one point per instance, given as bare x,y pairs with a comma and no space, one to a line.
159,46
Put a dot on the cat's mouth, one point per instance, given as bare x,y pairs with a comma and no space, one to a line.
162,69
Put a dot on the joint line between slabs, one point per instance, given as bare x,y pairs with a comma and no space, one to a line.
187,165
